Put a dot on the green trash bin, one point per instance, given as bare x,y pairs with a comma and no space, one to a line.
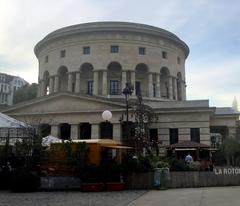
161,177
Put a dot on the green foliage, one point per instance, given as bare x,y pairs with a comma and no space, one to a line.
25,93
194,166
231,151
161,164
178,165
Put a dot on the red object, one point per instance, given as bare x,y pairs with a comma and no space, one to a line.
115,186
92,187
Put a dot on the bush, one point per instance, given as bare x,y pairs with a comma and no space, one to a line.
195,166
161,164
178,165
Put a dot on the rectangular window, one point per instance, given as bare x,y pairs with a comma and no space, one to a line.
114,87
178,60
114,49
153,134
86,50
6,97
164,55
62,53
46,59
173,136
195,134
90,88
141,51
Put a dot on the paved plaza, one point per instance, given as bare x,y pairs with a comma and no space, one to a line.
218,196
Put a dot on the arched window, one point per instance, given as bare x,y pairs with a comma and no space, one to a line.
63,78
86,79
114,78
46,83
164,75
141,83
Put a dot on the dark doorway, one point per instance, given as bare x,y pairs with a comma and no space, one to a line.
153,134
65,131
195,134
106,130
124,130
85,130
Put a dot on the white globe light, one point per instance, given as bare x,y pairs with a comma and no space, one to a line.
107,115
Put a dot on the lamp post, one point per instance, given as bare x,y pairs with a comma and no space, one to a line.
127,91
107,129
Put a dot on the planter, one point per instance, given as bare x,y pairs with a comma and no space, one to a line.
92,187
115,186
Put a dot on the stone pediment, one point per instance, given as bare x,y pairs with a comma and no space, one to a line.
64,103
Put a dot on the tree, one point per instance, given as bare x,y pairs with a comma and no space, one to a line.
144,116
231,150
25,93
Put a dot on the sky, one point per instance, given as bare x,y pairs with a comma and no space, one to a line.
211,29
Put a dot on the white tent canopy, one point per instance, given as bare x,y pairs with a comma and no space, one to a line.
9,122
46,141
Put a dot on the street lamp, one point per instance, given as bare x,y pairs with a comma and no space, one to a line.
127,91
107,115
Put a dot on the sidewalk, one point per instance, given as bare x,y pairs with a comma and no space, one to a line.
212,196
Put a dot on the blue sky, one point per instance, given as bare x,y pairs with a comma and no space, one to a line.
211,28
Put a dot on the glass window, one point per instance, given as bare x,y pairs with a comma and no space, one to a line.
62,53
114,49
114,87
141,50
46,59
90,88
86,50
173,136
138,87
164,55
195,134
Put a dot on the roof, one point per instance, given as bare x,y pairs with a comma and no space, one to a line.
9,122
225,111
110,26
188,144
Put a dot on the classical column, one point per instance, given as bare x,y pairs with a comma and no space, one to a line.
158,89
124,79
117,132
170,88
133,80
55,130
77,85
56,83
50,85
74,131
183,90
43,86
104,83
70,81
39,89
95,131
175,88
95,82
150,85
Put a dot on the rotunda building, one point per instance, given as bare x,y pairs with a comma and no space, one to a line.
100,58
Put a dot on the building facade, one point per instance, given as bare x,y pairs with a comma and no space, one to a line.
84,68
8,85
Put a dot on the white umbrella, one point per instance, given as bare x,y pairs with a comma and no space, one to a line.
46,141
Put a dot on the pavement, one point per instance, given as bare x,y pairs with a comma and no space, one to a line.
211,196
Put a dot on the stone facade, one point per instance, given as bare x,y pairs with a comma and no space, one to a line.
84,68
